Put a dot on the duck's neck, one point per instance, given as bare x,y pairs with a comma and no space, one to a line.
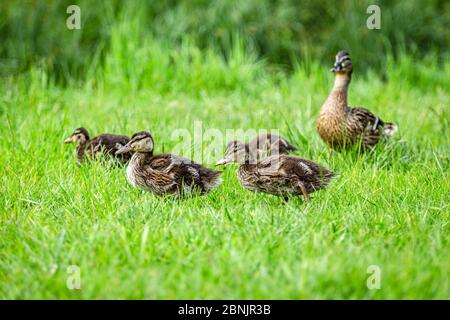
337,100
341,82
80,149
140,158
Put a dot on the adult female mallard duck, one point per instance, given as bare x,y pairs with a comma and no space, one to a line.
280,175
104,144
165,173
341,126
265,145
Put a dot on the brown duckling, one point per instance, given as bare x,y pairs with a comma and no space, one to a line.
265,145
341,126
165,173
104,144
280,175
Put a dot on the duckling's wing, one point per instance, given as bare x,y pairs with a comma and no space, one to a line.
270,166
113,141
109,143
94,146
188,175
183,171
306,170
155,173
161,162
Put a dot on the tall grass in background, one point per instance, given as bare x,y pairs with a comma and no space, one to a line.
137,60
281,32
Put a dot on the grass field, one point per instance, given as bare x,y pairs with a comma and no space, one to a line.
388,208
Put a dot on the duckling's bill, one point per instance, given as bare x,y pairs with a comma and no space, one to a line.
223,161
124,149
69,139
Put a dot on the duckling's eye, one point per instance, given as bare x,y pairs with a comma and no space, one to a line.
136,139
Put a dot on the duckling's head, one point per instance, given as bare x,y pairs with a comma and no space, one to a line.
236,152
79,136
343,64
140,142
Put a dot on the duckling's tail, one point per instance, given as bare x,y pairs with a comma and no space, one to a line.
328,175
390,129
211,179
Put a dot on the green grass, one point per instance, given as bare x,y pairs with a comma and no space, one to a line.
388,208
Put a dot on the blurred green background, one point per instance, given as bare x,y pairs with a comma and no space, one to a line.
280,32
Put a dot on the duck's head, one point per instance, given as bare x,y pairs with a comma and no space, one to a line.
343,64
140,142
79,136
236,152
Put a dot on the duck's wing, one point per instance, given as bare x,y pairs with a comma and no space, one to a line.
360,117
363,121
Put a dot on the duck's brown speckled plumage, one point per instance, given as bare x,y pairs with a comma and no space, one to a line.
341,126
280,175
101,145
166,173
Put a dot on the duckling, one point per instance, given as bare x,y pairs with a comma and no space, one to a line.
280,175
165,173
265,145
341,126
104,144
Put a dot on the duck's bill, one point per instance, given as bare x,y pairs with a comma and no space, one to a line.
223,161
124,149
337,67
69,139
